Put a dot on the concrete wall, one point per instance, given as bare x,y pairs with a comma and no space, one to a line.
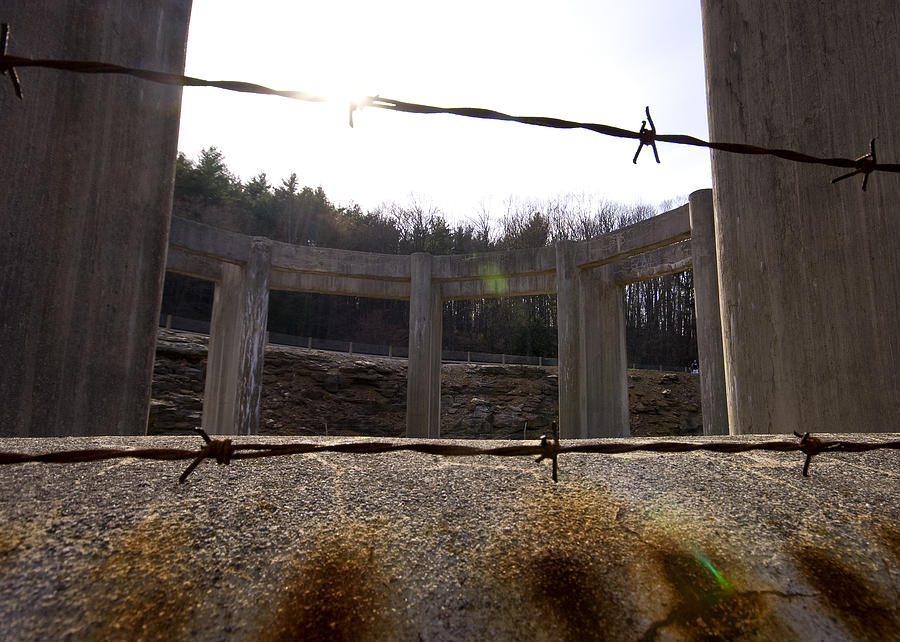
808,271
86,173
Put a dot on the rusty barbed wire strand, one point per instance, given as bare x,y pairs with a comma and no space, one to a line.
224,451
865,165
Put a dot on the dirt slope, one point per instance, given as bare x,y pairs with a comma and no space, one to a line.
309,392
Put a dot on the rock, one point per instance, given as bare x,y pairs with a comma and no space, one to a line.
305,389
331,382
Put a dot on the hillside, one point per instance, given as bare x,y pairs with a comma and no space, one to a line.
312,392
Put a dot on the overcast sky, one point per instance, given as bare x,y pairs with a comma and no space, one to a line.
588,60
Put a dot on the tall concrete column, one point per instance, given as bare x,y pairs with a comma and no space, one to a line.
808,273
706,307
254,315
569,344
423,391
237,341
223,362
605,374
86,173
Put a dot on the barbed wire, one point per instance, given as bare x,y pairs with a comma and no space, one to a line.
865,165
224,451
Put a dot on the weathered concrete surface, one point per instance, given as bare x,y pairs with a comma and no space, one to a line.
408,547
86,174
254,314
569,342
667,228
808,271
708,319
605,361
221,393
655,263
423,391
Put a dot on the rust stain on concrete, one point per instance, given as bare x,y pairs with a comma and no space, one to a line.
705,605
147,588
338,592
857,602
578,564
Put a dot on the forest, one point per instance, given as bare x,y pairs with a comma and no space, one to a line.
660,326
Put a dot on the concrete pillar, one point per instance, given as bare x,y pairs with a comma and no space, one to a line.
809,279
255,314
87,166
223,363
423,392
706,307
604,357
237,341
569,347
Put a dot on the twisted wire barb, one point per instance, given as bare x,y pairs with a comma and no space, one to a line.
865,165
224,451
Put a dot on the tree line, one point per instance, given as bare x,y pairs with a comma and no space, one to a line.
660,324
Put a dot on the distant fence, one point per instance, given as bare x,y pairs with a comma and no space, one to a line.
171,322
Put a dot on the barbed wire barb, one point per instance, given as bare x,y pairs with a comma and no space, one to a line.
4,66
551,450
221,449
865,166
647,137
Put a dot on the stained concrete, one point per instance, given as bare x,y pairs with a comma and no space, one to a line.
408,547
423,392
708,317
605,390
86,176
808,271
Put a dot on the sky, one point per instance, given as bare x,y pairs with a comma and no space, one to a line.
597,61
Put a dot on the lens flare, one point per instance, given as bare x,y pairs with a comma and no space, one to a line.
494,283
723,583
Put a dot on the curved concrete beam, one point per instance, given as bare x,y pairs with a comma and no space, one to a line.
658,231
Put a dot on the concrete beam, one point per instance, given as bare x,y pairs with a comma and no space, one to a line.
663,261
87,167
181,261
423,392
341,285
544,283
320,260
664,229
495,264
709,323
206,240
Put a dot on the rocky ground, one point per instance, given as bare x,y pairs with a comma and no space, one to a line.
312,392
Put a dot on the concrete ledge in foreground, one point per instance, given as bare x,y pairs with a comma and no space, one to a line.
407,546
